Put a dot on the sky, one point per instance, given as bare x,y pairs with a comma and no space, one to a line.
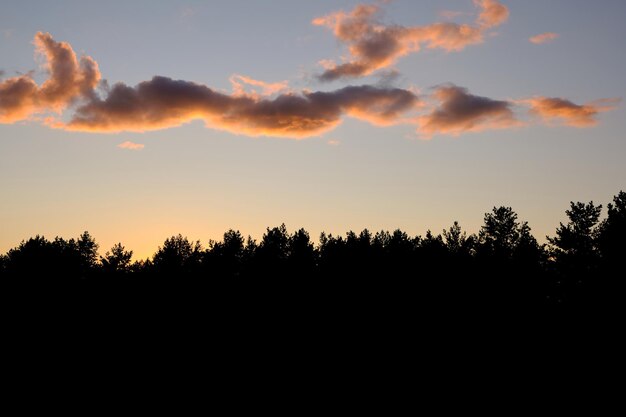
138,120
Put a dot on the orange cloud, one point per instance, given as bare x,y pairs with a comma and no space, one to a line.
374,46
267,89
543,37
18,98
552,109
131,146
68,80
458,112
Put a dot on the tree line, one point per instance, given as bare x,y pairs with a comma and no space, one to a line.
581,265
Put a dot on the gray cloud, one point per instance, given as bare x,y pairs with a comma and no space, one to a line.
458,111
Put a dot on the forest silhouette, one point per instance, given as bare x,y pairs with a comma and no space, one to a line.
502,266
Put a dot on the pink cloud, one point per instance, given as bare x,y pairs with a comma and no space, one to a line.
492,13
565,112
458,112
162,102
543,37
69,79
239,83
373,46
131,146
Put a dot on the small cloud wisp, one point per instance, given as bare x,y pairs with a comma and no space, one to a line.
131,146
543,38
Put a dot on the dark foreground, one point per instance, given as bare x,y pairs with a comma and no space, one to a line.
503,268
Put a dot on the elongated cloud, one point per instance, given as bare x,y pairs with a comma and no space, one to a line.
543,37
69,79
561,111
459,111
374,46
163,102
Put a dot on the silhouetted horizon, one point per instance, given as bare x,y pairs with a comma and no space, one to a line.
502,265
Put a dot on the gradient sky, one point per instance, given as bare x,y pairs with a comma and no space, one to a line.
519,109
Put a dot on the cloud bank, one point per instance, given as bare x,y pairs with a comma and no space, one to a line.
374,46
70,99
163,102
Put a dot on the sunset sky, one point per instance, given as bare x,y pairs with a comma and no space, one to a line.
137,120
